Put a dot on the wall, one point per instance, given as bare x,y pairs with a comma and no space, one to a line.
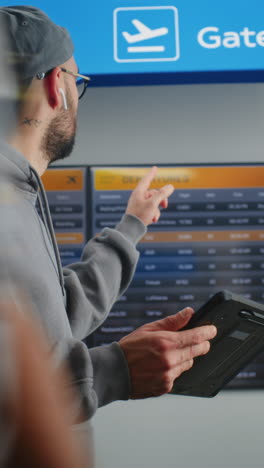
176,124
171,124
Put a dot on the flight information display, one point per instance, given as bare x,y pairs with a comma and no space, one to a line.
210,238
66,191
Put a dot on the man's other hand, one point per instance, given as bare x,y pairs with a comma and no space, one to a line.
157,353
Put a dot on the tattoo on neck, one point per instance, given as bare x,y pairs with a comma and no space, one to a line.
31,122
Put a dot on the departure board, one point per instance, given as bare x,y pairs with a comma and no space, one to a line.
66,191
210,238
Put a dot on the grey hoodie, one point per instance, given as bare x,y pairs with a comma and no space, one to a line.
71,303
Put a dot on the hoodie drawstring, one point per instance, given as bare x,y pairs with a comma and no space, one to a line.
46,217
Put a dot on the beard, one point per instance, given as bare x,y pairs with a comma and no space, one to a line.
59,138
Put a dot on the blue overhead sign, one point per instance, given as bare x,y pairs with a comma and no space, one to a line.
126,38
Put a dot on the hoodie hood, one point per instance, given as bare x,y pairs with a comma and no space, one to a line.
15,167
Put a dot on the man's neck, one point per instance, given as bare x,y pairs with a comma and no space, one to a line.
27,141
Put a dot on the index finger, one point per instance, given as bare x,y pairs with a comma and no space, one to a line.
145,182
193,336
196,335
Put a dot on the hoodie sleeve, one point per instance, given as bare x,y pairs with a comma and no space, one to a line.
99,375
106,268
92,286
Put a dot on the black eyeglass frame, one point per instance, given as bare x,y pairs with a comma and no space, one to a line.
83,79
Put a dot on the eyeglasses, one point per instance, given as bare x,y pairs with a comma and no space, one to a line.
82,81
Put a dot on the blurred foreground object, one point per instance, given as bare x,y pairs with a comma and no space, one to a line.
35,407
8,87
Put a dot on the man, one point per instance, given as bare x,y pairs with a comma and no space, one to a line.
73,302
29,384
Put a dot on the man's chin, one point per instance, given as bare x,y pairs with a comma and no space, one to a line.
63,151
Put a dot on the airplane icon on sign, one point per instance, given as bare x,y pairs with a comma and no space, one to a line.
144,33
71,180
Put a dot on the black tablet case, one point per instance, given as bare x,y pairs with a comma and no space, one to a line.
240,337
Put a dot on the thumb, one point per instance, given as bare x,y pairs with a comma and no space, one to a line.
173,322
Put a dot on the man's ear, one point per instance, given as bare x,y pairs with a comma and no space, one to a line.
52,86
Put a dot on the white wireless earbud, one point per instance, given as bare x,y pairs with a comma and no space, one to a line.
64,99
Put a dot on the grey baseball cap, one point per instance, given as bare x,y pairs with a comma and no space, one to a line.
35,43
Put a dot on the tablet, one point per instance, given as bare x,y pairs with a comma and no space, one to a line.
240,337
